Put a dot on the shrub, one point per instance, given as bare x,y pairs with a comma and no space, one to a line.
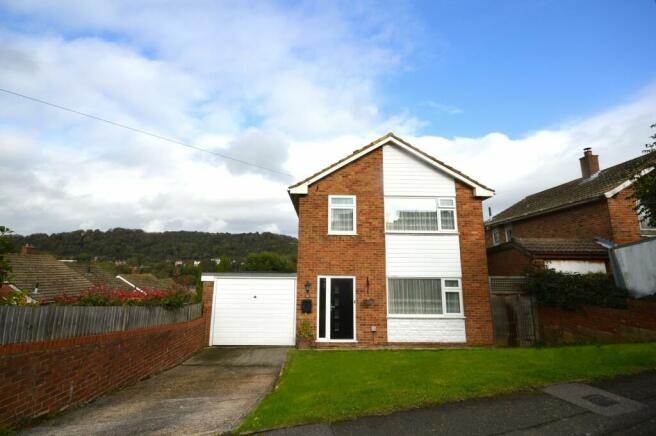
569,291
17,298
104,296
305,330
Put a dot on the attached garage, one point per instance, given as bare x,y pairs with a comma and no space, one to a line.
253,309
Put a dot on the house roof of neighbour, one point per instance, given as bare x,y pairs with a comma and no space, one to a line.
572,193
98,276
54,277
557,246
149,281
390,138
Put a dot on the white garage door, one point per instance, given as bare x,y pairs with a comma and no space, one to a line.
254,310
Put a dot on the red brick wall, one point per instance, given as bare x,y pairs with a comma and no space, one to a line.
208,296
599,324
475,285
586,221
362,255
624,220
42,377
507,262
613,219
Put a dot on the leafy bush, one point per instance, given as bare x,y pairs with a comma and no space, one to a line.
17,298
569,291
104,296
305,330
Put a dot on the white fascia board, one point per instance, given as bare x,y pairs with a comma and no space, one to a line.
206,278
479,191
625,184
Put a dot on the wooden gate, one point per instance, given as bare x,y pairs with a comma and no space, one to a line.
514,313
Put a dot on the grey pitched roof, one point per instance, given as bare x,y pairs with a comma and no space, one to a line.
54,277
578,191
98,276
149,281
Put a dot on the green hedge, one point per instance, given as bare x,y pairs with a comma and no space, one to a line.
569,291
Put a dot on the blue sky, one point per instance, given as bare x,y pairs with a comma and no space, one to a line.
518,66
507,91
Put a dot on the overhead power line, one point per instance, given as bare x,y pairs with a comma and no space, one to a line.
143,132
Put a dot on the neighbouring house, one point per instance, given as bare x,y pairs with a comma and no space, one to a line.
42,276
561,254
98,276
568,227
391,250
145,281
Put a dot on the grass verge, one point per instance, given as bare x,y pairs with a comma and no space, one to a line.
320,386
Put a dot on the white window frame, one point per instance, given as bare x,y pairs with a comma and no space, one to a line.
443,290
642,222
508,229
496,236
343,206
327,309
438,209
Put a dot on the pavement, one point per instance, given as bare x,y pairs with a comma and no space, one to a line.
622,406
209,393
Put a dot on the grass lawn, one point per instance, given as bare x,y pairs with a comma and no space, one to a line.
336,385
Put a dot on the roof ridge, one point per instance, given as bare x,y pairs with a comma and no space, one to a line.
392,135
587,188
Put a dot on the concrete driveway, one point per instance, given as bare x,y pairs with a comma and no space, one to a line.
209,393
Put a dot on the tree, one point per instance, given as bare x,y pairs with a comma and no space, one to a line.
6,246
645,183
267,261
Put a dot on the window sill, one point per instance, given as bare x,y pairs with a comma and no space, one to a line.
342,341
409,316
401,232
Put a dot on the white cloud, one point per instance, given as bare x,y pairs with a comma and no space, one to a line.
293,90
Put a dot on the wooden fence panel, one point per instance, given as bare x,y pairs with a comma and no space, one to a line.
514,313
20,324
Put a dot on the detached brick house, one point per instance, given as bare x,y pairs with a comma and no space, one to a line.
560,227
391,250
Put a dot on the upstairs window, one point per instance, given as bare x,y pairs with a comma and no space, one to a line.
645,226
341,215
420,215
508,232
496,238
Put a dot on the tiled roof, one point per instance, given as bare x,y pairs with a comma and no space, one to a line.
560,246
382,141
54,277
575,192
98,276
149,281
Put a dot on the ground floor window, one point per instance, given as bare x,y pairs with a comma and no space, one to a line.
424,296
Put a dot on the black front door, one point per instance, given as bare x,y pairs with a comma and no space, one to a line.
341,308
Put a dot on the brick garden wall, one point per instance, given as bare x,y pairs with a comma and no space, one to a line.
45,377
599,324
362,255
473,260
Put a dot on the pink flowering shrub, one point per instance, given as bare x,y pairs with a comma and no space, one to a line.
101,295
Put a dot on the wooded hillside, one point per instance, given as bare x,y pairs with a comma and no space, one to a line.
126,244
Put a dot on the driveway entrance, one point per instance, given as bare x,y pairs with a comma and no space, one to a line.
209,393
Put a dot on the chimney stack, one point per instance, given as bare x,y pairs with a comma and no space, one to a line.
27,249
589,163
